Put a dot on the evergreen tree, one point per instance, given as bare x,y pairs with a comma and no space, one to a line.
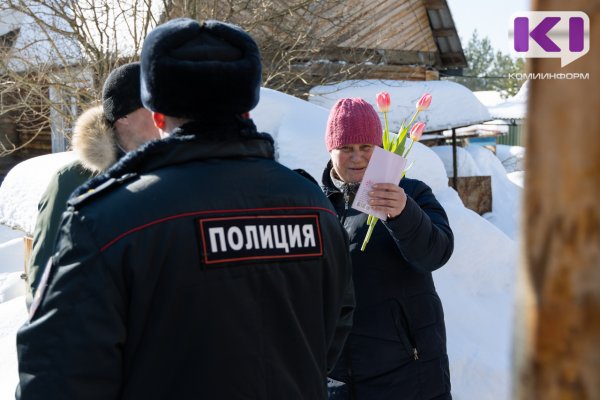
489,69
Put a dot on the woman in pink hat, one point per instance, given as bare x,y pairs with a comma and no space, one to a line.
397,346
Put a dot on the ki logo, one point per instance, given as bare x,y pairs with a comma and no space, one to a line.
545,34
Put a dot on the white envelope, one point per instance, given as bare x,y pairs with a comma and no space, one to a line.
384,167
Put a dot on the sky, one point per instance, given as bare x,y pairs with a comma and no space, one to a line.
491,18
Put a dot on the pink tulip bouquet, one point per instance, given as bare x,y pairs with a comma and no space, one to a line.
397,143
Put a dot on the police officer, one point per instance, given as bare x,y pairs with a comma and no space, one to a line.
197,266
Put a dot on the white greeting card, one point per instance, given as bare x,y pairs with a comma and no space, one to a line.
384,167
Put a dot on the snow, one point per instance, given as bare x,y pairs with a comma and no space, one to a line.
36,45
489,98
475,160
517,177
23,187
476,285
298,128
512,157
476,288
506,196
13,314
514,107
40,46
453,105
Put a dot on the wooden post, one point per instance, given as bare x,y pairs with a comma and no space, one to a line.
557,337
454,161
27,248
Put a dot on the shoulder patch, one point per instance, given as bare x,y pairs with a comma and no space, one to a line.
262,237
103,188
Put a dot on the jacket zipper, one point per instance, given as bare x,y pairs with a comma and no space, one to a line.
348,352
406,329
346,201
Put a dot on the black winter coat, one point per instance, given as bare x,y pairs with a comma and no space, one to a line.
196,268
397,346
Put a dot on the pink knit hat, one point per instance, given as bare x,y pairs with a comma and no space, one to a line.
352,121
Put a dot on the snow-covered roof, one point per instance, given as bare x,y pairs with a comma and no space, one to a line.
514,107
115,27
36,45
453,105
9,21
489,128
489,98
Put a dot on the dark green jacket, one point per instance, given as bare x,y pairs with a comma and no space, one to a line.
50,209
96,147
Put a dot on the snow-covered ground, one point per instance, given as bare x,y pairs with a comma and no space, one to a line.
476,286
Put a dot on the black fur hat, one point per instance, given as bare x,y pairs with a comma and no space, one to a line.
121,92
192,70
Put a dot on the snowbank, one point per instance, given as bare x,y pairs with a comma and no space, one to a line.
11,265
24,185
427,167
476,160
506,196
12,315
512,157
476,288
517,177
465,164
298,128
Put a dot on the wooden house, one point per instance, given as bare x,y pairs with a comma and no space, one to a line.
397,40
312,44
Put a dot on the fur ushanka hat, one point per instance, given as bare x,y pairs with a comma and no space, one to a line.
192,70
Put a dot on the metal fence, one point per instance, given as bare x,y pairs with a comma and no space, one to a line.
514,137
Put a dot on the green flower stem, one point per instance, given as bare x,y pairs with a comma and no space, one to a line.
386,132
409,147
369,232
413,118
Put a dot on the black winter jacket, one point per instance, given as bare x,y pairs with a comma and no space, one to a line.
397,346
196,268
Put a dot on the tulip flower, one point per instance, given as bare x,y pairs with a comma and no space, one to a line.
383,102
424,102
417,131
397,143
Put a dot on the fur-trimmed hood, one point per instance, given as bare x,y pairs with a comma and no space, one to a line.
94,140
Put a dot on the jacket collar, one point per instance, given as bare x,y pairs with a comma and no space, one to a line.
328,186
197,140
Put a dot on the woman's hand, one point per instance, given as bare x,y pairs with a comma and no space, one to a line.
387,198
